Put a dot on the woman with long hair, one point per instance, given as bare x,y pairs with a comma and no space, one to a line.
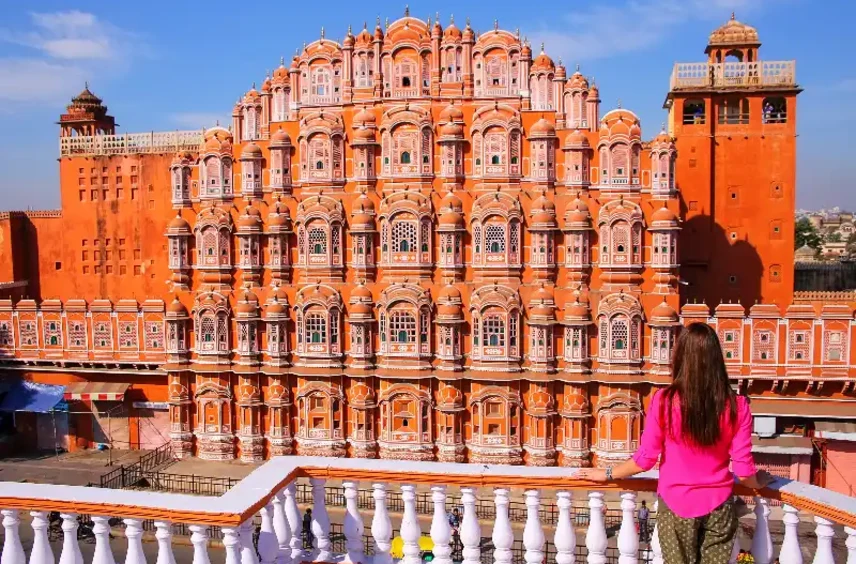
700,430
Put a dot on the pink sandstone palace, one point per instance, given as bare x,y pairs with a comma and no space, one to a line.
428,243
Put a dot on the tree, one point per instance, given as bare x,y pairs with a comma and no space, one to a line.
806,234
834,237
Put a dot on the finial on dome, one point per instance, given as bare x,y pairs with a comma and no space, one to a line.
468,22
560,61
542,47
386,23
86,84
406,10
619,103
451,19
517,33
365,26
663,127
304,46
254,85
732,16
217,123
282,61
377,21
578,67
322,32
349,29
495,24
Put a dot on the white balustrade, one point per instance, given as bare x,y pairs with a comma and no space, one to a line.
441,530
101,530
248,550
134,534
533,532
628,538
282,528
292,513
790,553
850,543
41,553
565,538
825,534
320,522
470,529
164,538
656,547
268,545
762,543
13,552
381,526
410,530
353,525
199,540
232,545
596,535
503,535
70,548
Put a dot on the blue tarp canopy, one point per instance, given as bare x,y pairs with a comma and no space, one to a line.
29,396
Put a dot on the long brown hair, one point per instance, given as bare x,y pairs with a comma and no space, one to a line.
700,382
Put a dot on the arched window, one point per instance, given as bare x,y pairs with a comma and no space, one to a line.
404,236
495,238
315,328
496,151
405,157
318,241
493,330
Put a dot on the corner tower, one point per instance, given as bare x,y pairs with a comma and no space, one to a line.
86,115
734,120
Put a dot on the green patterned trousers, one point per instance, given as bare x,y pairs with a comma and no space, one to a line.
701,540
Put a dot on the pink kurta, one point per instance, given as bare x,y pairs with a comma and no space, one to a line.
696,480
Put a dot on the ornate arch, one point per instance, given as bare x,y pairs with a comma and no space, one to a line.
318,310
620,226
211,319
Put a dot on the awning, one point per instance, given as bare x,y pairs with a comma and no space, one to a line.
96,391
835,430
781,445
30,396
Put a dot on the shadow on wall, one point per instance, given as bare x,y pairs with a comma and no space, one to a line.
716,266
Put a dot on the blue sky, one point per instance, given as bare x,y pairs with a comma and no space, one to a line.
165,65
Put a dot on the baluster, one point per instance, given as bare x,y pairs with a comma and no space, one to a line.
282,528
353,525
503,535
790,553
292,513
850,543
134,534
565,538
656,549
41,553
248,550
101,530
628,538
199,539
410,531
441,531
762,543
381,526
70,549
533,533
268,545
320,522
164,537
232,544
13,552
825,534
596,534
470,529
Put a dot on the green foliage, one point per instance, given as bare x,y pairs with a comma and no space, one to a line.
806,234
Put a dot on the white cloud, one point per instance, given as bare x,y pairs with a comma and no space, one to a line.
198,120
68,48
606,30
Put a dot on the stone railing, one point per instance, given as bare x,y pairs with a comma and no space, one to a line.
730,75
130,143
271,490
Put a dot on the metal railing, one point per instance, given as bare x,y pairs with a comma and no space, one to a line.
127,476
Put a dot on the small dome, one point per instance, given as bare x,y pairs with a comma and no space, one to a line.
349,39
468,34
734,32
364,116
179,223
276,308
578,82
594,92
449,312
378,32
576,139
664,215
452,33
364,38
252,95
361,393
452,218
364,204
451,113
251,151
280,139
664,314
361,310
251,217
362,221
577,311
248,303
362,292
280,75
452,130
577,215
449,293
279,217
182,158
542,128
364,134
526,51
540,401
176,307
266,85
450,397
451,202
543,62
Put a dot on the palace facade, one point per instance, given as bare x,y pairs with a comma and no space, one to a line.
426,243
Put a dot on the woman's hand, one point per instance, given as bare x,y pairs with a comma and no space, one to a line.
591,474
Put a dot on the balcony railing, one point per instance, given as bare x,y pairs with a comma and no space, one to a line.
130,143
734,74
271,492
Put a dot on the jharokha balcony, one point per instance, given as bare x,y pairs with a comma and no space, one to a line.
563,520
